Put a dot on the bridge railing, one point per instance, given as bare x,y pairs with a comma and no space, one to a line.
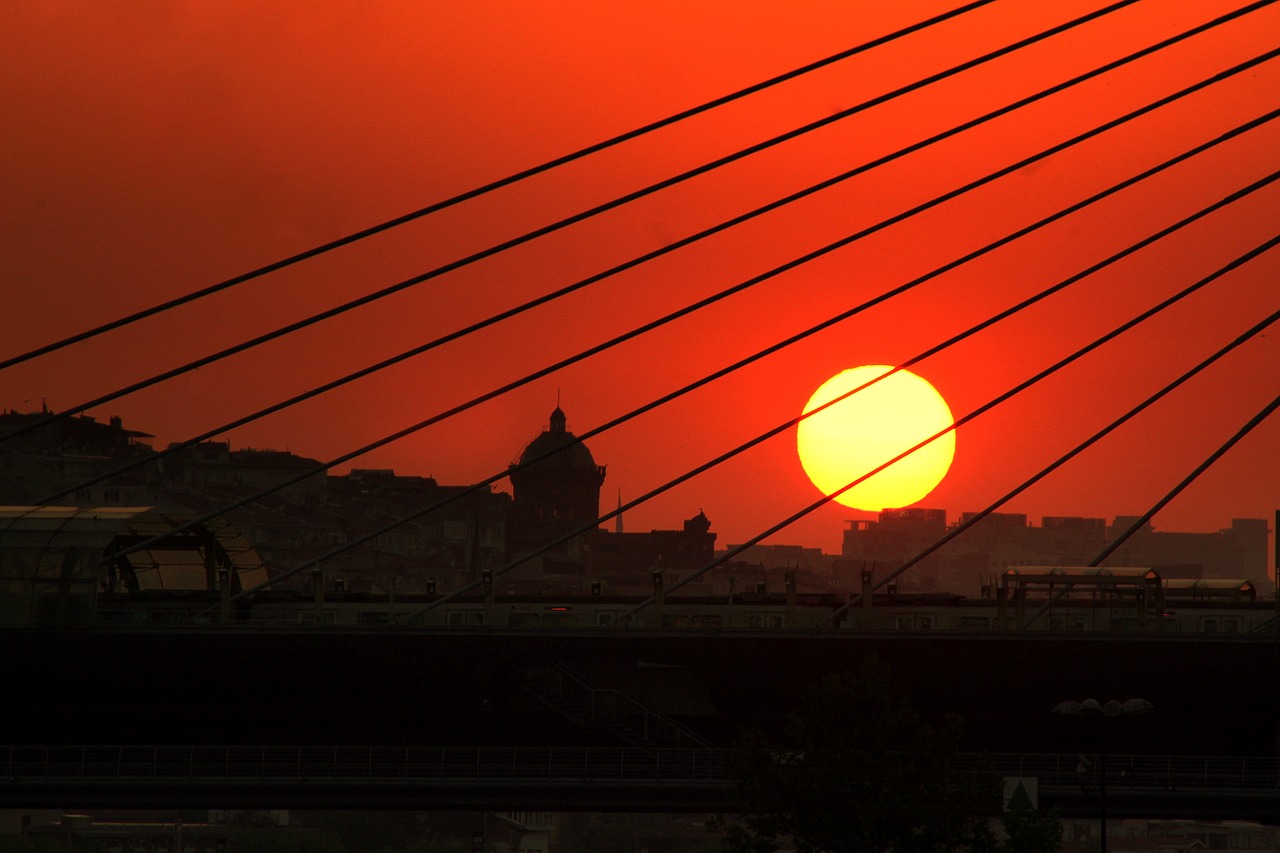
1065,772
346,762
1149,772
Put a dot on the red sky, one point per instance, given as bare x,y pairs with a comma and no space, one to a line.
151,149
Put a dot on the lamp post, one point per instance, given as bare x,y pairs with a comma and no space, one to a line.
1093,708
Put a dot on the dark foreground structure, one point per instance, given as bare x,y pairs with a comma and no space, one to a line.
1213,694
586,718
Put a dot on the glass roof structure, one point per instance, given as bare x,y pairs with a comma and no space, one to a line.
54,561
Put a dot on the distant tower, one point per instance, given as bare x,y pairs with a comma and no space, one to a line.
557,494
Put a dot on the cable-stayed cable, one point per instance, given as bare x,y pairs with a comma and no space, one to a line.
975,518
688,309
635,262
579,439
1022,305
975,413
495,185
680,313
1146,517
578,217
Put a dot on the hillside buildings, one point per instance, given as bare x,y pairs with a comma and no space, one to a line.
407,534
373,530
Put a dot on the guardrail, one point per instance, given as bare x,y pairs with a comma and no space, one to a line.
347,762
1148,772
552,778
582,763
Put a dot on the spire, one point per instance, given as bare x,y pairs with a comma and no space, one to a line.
557,420
617,519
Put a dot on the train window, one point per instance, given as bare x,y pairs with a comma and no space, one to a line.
903,622
761,619
466,617
704,621
553,619
1209,625
675,620
606,618
924,622
1079,623
971,622
374,617
1230,625
523,620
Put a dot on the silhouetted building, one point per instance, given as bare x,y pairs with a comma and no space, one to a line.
627,558
557,493
213,464
560,493
302,521
448,546
1002,540
59,455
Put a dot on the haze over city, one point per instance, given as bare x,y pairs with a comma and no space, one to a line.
161,149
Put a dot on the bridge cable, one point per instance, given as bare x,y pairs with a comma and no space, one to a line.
640,330
177,447
1146,517
567,221
365,537
495,185
1085,350
975,518
787,425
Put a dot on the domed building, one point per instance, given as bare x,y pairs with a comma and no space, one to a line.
558,492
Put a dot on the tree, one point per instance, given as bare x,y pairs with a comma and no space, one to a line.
281,840
858,771
1030,831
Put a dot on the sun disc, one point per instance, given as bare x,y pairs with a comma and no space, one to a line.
863,431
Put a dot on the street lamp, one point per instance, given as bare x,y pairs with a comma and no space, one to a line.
1113,708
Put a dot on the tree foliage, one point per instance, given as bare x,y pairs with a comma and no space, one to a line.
277,840
859,771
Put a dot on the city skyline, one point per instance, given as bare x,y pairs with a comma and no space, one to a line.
163,151
250,468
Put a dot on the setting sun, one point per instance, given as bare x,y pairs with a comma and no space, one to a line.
867,429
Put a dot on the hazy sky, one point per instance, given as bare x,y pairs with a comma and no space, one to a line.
154,148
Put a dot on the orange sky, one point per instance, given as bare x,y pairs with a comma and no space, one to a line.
151,149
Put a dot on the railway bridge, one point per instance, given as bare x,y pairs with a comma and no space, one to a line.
546,698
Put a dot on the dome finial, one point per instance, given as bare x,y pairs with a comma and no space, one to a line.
558,419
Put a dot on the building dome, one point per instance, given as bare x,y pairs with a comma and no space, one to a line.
573,456
555,487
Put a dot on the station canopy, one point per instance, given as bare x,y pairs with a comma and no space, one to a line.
60,558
